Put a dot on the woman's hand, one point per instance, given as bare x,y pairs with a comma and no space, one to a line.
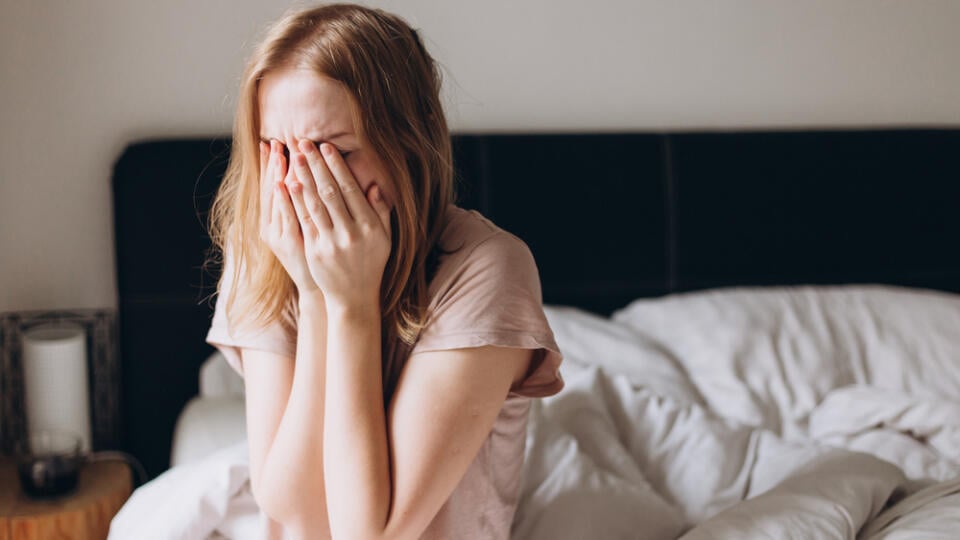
278,220
346,233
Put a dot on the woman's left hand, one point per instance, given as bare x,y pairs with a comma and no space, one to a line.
346,232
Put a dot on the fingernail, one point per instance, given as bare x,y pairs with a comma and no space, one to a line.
376,193
326,149
304,145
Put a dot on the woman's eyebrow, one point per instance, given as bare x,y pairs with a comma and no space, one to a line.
335,136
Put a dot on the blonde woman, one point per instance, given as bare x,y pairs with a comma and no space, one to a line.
390,341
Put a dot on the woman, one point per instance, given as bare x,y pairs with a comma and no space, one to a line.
389,341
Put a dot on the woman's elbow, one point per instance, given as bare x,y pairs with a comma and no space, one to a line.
299,518
270,503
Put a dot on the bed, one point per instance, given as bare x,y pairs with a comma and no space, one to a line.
781,306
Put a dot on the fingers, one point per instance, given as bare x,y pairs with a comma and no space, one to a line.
295,187
274,187
275,217
295,190
329,192
311,201
266,186
264,158
355,199
286,214
380,207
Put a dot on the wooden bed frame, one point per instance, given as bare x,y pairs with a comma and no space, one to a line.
609,218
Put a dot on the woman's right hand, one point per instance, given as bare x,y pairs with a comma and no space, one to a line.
279,226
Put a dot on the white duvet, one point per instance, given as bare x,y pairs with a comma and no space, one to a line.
781,413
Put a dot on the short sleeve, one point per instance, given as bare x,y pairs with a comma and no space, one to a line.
492,296
275,338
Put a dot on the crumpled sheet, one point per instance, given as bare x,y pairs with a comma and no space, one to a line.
206,498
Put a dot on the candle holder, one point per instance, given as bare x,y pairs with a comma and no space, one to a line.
48,463
103,371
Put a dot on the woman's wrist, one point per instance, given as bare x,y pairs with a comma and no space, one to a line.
359,312
312,300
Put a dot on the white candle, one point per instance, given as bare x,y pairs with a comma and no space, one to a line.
55,380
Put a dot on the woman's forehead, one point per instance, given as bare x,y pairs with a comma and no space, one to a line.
302,104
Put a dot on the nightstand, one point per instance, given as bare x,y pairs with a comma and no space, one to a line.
102,488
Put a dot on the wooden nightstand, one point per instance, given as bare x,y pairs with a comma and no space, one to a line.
102,488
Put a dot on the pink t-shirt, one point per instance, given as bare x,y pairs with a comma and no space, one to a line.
487,292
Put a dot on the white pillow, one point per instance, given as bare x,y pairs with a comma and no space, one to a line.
586,339
205,425
767,356
218,379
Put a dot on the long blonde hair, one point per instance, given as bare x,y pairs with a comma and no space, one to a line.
395,88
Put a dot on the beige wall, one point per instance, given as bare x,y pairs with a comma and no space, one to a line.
82,79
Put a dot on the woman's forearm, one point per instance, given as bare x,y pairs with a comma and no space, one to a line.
292,479
357,467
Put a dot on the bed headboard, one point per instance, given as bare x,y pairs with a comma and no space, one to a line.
609,218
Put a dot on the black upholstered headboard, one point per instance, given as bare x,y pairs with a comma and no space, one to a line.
609,218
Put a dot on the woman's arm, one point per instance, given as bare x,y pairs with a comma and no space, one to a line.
388,479
292,473
382,486
267,381
292,454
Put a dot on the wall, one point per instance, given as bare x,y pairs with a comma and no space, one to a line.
80,80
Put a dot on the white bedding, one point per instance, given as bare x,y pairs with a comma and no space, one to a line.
780,413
